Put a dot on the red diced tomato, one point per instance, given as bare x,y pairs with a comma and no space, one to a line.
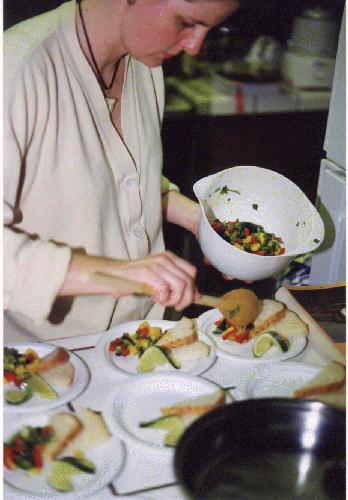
125,352
231,330
247,231
260,252
282,250
37,455
46,431
12,377
9,456
242,337
254,240
18,445
143,332
217,226
114,344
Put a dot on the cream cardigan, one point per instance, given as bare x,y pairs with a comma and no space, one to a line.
69,179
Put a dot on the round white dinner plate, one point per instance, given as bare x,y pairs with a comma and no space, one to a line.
276,381
141,398
65,394
108,458
206,324
128,365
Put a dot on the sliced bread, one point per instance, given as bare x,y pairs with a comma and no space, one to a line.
183,333
65,428
190,352
94,432
61,375
290,326
271,312
196,406
337,399
330,379
55,358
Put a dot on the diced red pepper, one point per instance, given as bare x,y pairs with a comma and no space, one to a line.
254,240
260,252
282,250
125,352
46,431
37,455
143,332
231,330
247,231
18,445
9,456
12,377
242,337
114,344
217,226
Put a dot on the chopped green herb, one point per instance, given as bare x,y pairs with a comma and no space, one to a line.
255,206
315,240
232,312
225,190
297,224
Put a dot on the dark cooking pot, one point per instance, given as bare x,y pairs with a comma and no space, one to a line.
259,449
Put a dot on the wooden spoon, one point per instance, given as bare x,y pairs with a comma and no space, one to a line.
227,304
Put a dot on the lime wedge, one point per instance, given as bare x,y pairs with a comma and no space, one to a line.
39,385
17,397
152,357
268,339
59,475
173,424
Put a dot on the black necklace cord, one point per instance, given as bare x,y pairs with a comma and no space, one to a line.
106,88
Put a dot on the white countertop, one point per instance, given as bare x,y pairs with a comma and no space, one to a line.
148,473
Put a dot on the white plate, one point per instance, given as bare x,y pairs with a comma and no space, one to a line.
141,398
107,457
36,402
277,381
206,324
128,365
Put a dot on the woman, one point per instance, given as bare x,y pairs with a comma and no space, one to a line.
83,106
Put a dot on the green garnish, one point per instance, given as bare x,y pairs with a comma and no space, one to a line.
226,190
255,206
315,240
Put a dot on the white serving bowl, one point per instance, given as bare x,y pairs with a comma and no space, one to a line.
263,197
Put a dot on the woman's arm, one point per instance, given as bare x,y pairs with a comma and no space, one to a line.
180,210
171,277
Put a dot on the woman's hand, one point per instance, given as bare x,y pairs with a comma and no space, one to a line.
172,278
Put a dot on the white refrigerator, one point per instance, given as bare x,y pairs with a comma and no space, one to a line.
328,265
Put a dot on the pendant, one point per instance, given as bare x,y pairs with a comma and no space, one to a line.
111,102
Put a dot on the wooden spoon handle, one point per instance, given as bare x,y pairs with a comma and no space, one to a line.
208,300
122,284
129,286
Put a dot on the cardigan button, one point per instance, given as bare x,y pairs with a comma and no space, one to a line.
130,181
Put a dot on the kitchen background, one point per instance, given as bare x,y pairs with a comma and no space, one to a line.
258,94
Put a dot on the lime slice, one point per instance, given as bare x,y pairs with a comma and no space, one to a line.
173,424
17,397
59,475
268,339
152,357
39,385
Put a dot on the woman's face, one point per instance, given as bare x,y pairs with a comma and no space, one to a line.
154,30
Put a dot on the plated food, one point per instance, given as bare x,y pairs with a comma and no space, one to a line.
327,386
141,402
41,376
68,453
138,347
297,380
276,332
176,418
249,237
